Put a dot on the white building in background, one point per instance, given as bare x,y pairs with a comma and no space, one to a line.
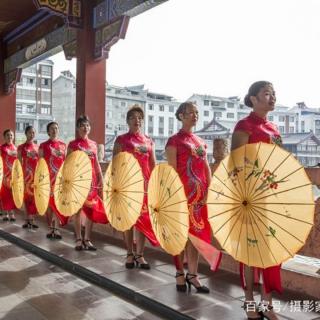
64,102
228,111
34,100
307,119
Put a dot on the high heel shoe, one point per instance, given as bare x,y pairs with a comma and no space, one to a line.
251,306
140,265
130,265
200,289
88,245
78,246
180,287
265,308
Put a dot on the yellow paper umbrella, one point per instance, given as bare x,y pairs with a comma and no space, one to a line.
42,186
73,183
260,205
1,172
168,209
17,183
123,191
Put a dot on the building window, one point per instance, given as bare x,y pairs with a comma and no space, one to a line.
230,105
150,130
270,118
161,131
291,119
45,83
291,129
281,118
281,129
171,108
109,126
302,126
45,109
170,128
217,115
45,70
150,106
206,102
123,104
215,103
205,123
31,108
230,115
206,113
19,108
109,115
161,121
161,107
317,122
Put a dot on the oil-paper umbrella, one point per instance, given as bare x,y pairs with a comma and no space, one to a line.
41,186
123,191
168,209
260,205
17,184
73,183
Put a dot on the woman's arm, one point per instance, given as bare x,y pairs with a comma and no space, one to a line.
19,155
239,138
171,153
152,160
116,149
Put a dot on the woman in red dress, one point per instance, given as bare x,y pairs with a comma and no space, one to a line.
54,152
93,207
186,153
142,148
8,154
28,156
252,129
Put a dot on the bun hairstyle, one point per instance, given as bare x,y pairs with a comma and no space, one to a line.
6,131
183,108
81,120
134,108
26,130
51,124
254,90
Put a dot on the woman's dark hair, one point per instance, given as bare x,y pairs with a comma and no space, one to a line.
26,130
135,108
254,90
6,131
51,124
81,120
183,108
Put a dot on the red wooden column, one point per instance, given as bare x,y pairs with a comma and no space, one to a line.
91,79
7,101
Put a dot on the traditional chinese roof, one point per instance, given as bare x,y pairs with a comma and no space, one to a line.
214,129
297,138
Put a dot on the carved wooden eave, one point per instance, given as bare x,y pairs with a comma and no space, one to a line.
40,49
109,10
107,36
70,10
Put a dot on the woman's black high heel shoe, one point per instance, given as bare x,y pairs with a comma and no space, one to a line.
200,289
140,265
79,245
88,245
130,265
180,287
251,306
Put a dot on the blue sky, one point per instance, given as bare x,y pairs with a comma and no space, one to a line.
220,47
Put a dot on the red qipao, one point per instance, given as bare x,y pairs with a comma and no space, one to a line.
261,130
29,156
54,152
192,169
141,147
93,207
8,154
